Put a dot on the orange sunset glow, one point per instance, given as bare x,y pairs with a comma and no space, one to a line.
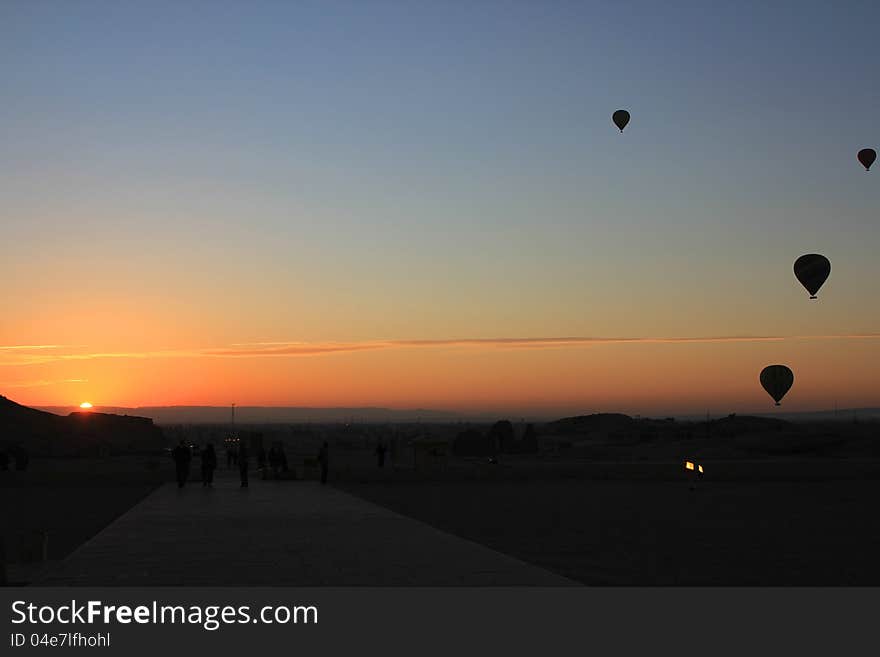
271,228
539,376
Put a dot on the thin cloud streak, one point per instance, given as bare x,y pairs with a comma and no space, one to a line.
55,358
310,349
297,349
41,383
39,347
302,349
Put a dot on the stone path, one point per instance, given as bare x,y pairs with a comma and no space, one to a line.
285,534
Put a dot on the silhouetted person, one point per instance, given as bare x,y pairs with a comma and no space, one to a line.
275,461
182,455
324,460
243,465
231,455
209,463
380,454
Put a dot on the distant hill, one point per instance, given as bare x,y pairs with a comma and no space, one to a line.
42,432
168,415
272,414
840,415
737,424
828,415
586,424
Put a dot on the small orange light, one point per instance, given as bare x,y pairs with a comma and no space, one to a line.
700,467
688,465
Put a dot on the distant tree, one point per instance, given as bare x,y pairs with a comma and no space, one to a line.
530,440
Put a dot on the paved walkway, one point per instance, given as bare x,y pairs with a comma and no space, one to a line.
284,534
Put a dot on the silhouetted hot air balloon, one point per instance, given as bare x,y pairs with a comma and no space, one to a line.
812,271
620,118
777,380
867,157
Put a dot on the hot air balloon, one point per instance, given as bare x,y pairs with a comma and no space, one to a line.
812,271
777,380
620,118
867,157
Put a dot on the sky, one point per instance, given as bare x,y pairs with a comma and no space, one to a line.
425,204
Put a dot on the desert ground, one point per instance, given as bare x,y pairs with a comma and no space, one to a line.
69,500
614,532
779,504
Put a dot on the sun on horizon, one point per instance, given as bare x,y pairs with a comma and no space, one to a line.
85,406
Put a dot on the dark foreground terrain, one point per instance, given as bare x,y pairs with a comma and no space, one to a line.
601,499
613,532
72,499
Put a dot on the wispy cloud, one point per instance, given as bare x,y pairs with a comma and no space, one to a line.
312,349
296,348
302,349
38,347
41,383
41,359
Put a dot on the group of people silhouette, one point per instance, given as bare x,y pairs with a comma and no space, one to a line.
183,455
238,455
276,458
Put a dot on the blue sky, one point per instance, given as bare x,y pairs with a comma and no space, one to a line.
421,169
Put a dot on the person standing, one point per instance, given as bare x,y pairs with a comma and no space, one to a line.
261,461
231,453
182,456
209,463
275,462
243,464
324,460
